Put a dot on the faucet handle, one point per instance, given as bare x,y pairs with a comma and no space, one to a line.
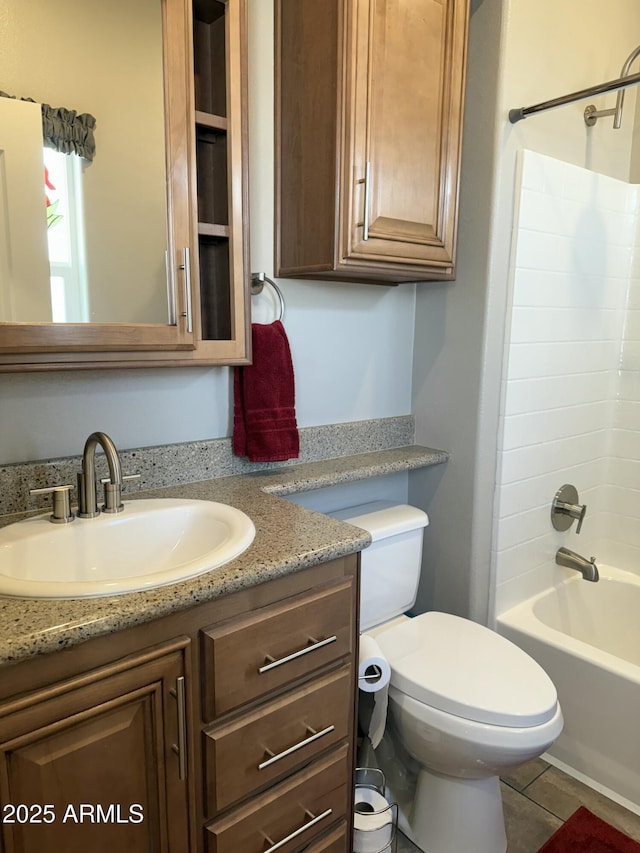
61,502
565,508
113,493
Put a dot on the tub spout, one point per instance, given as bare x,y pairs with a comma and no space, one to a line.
571,560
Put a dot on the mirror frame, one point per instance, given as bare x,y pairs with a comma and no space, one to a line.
66,346
49,345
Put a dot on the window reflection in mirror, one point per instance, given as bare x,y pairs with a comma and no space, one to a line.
104,260
65,237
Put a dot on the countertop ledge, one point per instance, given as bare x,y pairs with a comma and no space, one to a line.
288,538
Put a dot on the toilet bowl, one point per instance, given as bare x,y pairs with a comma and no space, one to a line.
466,704
468,708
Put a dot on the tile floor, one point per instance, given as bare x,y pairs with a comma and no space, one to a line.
538,798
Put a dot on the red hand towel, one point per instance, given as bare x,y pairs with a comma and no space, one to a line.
264,415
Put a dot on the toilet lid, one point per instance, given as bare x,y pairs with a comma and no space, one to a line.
465,669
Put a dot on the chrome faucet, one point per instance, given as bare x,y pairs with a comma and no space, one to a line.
571,560
87,500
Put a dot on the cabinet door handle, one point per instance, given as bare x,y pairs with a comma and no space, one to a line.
171,289
180,695
186,267
316,644
312,737
367,189
314,820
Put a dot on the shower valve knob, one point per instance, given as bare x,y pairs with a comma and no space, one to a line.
565,508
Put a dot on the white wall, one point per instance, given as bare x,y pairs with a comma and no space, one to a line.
539,62
520,53
574,233
448,349
623,494
352,345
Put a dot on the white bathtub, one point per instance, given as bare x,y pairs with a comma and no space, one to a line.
587,637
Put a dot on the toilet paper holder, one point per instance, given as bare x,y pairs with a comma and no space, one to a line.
385,818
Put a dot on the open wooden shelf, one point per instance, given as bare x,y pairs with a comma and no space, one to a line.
221,277
215,122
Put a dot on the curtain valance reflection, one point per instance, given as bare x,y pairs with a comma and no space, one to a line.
65,130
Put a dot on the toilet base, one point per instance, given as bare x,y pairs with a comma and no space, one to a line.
451,815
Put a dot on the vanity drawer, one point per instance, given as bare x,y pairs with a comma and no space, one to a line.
250,657
254,750
336,841
298,809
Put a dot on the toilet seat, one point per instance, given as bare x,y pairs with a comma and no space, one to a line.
465,669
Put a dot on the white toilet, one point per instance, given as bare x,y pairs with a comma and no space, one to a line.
466,704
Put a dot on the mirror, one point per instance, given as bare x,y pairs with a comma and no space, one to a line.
100,255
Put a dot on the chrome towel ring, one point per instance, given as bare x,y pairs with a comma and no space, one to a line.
258,280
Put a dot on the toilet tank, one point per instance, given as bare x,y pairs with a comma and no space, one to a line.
390,566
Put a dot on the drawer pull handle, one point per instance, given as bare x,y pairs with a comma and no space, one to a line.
313,822
313,737
272,663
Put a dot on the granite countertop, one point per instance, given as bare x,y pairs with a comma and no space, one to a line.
288,538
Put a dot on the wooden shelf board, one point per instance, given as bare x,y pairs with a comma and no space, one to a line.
208,229
210,120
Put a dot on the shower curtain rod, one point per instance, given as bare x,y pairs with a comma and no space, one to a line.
601,89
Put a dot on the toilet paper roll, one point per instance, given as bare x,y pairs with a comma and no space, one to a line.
374,674
374,671
372,822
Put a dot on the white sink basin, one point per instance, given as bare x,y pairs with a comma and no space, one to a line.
149,544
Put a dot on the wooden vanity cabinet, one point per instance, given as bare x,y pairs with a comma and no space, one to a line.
176,717
369,101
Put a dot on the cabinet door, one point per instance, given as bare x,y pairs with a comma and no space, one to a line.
405,82
369,98
93,762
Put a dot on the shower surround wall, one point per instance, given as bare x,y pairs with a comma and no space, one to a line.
570,410
623,496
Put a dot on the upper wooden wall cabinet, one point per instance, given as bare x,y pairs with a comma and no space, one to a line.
204,58
369,100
